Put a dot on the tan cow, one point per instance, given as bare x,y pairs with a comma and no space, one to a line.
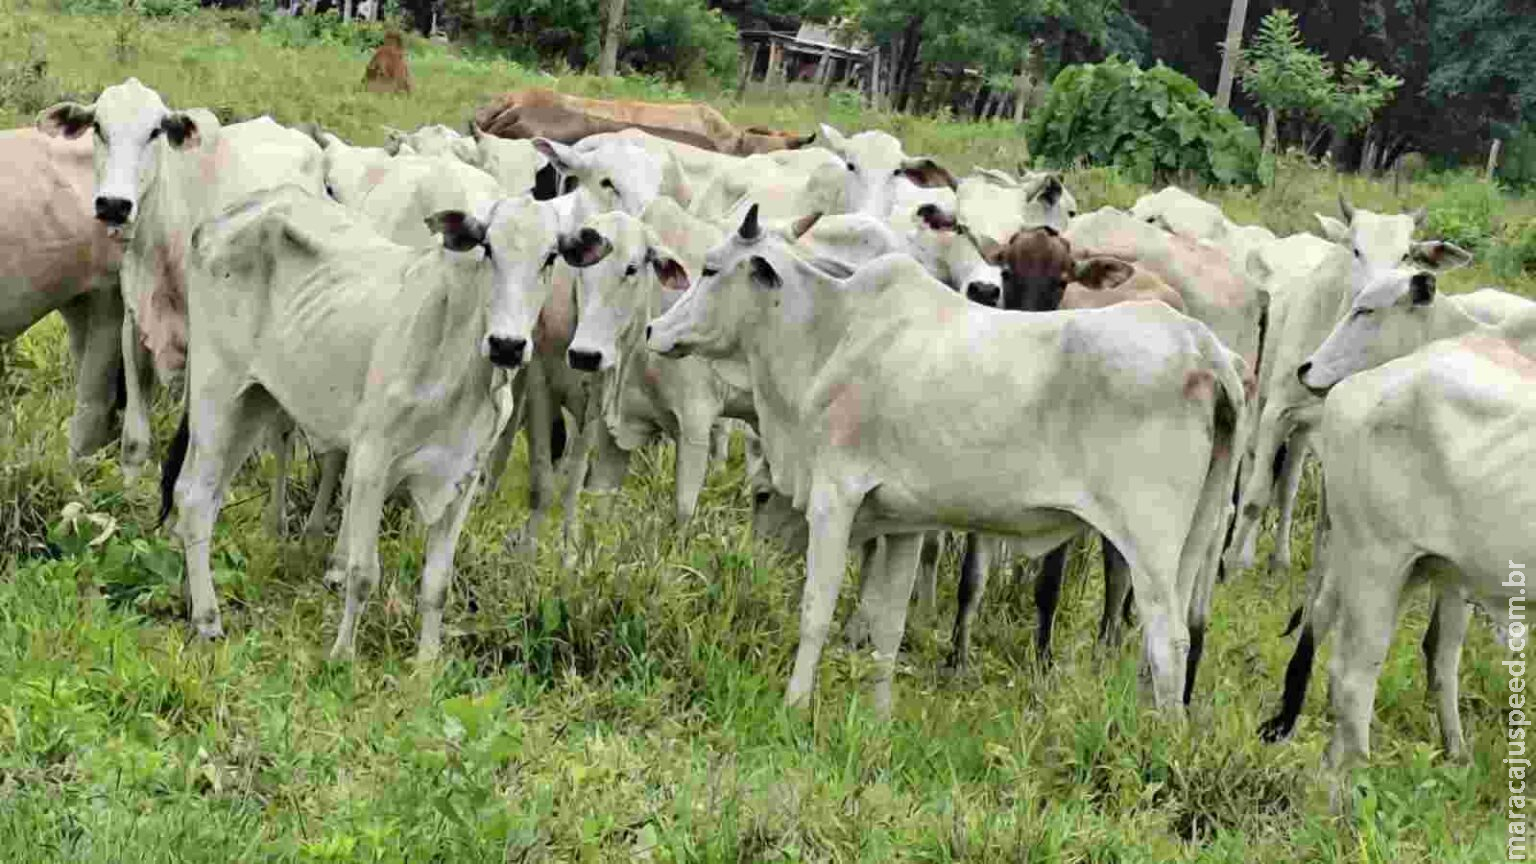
54,255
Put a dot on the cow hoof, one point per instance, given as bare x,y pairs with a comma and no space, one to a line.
210,631
1274,730
955,668
335,578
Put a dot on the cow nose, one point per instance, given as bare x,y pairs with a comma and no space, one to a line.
983,293
505,352
113,211
1301,372
584,361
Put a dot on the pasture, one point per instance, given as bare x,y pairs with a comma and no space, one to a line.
630,708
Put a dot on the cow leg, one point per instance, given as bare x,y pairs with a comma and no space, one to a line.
1117,590
437,571
95,322
280,440
496,462
331,465
138,374
367,473
1290,489
222,430
891,595
927,589
1442,655
872,556
541,476
1165,634
576,473
829,517
720,442
691,462
974,565
1273,432
1053,568
1366,620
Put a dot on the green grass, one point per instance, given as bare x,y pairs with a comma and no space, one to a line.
629,709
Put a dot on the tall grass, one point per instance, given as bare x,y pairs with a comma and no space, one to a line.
628,708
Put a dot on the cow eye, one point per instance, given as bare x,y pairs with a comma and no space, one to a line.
631,269
155,133
608,184
710,271
1357,253
1361,313
852,167
548,262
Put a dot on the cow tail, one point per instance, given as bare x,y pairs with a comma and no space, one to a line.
1298,673
172,467
1202,552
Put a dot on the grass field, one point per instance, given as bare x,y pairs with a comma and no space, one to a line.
628,709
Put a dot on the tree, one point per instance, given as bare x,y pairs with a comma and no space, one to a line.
1282,74
1230,52
613,34
1361,90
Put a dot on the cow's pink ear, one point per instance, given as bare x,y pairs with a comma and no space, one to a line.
181,131
67,119
1101,273
670,272
805,223
461,231
928,174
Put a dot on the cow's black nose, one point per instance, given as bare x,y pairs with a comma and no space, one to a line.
113,211
647,332
584,361
984,293
1301,372
507,353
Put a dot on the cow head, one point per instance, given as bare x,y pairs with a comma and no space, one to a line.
517,165
1038,265
351,171
132,126
1381,244
1389,319
740,279
620,175
433,140
1047,202
519,237
620,262
875,165
957,257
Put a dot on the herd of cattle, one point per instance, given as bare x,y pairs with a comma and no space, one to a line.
910,352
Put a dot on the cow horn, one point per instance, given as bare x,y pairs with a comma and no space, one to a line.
750,230
1418,216
1346,209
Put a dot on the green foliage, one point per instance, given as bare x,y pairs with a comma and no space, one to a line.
1466,212
1279,71
1361,90
680,39
325,28
1514,255
1154,123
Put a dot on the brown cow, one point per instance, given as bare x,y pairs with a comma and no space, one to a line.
1041,272
387,72
539,112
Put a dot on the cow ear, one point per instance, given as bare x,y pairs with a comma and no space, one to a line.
1419,216
926,173
461,231
991,251
67,119
1333,229
936,218
798,141
1440,256
763,274
1421,288
546,183
670,272
584,248
564,158
1258,268
181,131
1101,273
805,223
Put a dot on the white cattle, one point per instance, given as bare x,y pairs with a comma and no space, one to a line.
839,369
433,140
785,184
1431,475
994,205
629,271
1370,245
158,173
946,249
373,348
697,165
876,168
350,171
516,164
55,255
1175,210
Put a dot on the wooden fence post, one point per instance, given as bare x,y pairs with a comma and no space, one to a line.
1493,157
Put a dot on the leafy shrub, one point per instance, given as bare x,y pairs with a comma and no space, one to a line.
326,28
1465,212
680,39
129,568
25,86
1513,255
1517,162
1153,124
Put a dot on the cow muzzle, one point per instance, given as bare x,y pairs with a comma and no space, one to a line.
664,344
584,360
1301,375
506,352
984,293
113,212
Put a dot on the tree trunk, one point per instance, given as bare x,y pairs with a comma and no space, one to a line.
874,80
911,41
612,34
1270,125
1493,157
1234,44
346,11
749,65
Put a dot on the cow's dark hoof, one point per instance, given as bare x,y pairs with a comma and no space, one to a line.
1276,729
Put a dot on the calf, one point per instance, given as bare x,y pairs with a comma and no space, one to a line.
873,351
876,169
387,72
55,255
1426,479
375,349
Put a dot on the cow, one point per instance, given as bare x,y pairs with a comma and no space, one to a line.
994,205
517,165
629,271
158,173
387,71
398,356
891,343
698,166
55,255
876,168
1367,245
432,140
785,185
349,172
539,112
1429,476
1179,212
